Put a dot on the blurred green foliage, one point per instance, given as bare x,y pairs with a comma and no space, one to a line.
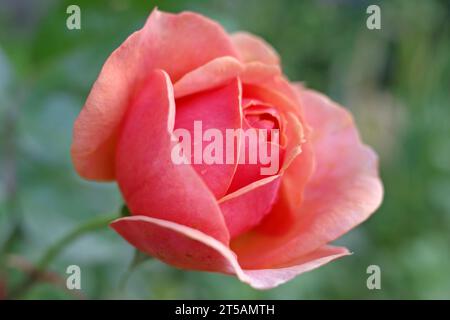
395,81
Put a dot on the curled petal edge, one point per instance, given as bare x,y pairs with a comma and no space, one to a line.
226,258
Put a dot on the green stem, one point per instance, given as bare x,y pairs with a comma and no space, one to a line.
91,225
138,258
54,250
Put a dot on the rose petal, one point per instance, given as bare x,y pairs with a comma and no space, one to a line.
343,192
282,273
295,179
180,43
177,43
253,48
187,248
149,180
257,198
245,208
283,87
252,192
259,73
254,112
247,173
276,98
285,211
211,75
296,132
217,109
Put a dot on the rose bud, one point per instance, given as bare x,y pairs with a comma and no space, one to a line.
229,217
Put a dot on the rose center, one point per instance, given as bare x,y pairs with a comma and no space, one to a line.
260,116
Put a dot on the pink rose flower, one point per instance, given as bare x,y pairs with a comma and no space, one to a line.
225,218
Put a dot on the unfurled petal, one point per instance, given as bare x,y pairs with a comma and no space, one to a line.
278,274
187,248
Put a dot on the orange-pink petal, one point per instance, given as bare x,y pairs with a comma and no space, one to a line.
187,248
211,75
176,43
344,189
217,109
253,48
150,182
246,207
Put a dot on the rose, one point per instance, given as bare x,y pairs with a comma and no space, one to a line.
223,218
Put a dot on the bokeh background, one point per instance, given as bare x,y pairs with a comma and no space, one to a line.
395,80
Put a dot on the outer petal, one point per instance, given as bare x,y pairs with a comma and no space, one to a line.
343,191
150,182
177,43
253,48
187,248
219,109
